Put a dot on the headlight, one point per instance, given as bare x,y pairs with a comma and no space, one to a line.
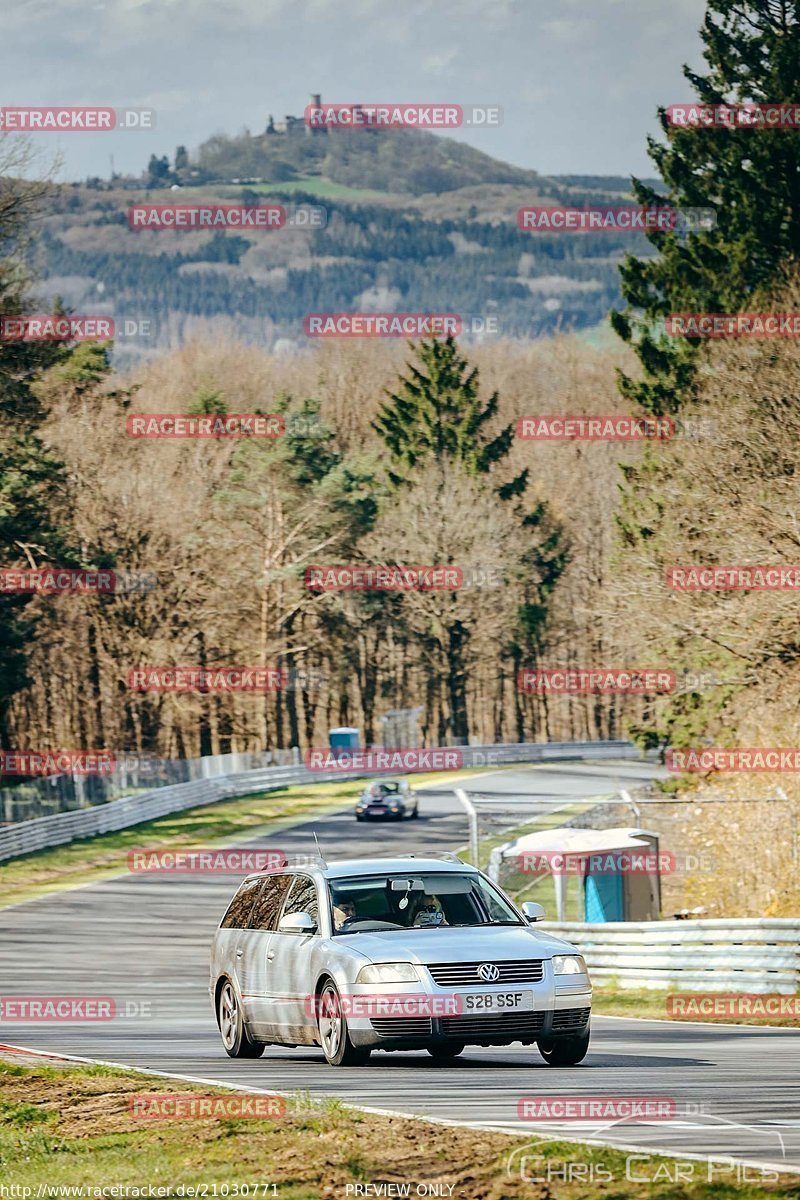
387,973
569,964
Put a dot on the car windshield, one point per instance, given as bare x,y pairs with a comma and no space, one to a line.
376,903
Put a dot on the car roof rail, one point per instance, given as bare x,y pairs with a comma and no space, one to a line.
296,861
443,854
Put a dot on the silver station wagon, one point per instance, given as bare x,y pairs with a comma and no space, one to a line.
393,954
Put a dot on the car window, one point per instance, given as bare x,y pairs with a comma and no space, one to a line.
302,898
239,908
432,900
271,890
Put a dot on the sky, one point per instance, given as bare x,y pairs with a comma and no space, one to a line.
578,81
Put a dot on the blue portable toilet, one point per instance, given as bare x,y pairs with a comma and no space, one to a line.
608,895
343,738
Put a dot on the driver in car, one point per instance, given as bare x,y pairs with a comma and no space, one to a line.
343,912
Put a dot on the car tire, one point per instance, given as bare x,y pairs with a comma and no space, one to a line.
446,1052
235,1038
359,817
334,1039
415,813
565,1051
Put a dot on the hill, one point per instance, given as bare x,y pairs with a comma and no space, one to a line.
414,222
398,161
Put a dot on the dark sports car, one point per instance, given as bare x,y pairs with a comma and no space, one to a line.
390,799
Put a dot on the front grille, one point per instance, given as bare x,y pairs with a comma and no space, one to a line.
570,1018
399,1027
493,1025
465,974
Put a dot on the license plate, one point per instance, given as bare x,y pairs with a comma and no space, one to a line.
498,1002
382,811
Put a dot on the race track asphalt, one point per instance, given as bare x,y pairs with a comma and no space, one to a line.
143,940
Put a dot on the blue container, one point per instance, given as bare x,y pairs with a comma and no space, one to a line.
344,738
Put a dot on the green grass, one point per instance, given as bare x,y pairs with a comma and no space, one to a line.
312,184
612,1001
71,1127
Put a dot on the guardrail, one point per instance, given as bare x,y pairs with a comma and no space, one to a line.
58,829
743,954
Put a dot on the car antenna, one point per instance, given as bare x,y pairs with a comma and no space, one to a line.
319,852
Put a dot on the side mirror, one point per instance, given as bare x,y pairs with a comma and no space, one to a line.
532,912
301,922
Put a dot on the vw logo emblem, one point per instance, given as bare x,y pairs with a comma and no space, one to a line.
488,972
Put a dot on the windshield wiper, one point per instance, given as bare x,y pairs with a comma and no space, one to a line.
482,923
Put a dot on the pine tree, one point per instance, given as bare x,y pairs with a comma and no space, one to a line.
33,505
437,413
751,177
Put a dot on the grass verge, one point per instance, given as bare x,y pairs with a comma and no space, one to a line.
647,1002
71,1127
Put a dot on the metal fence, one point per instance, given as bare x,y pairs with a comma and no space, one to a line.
742,954
132,773
24,837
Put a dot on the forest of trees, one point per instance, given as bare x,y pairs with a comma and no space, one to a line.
413,460
228,528
371,255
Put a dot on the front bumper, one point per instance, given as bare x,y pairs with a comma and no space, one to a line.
386,815
491,1030
558,1011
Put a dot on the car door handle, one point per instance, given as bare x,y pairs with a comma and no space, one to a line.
270,955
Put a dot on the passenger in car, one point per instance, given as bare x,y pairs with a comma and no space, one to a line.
430,912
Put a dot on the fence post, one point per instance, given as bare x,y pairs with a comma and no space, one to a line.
472,813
